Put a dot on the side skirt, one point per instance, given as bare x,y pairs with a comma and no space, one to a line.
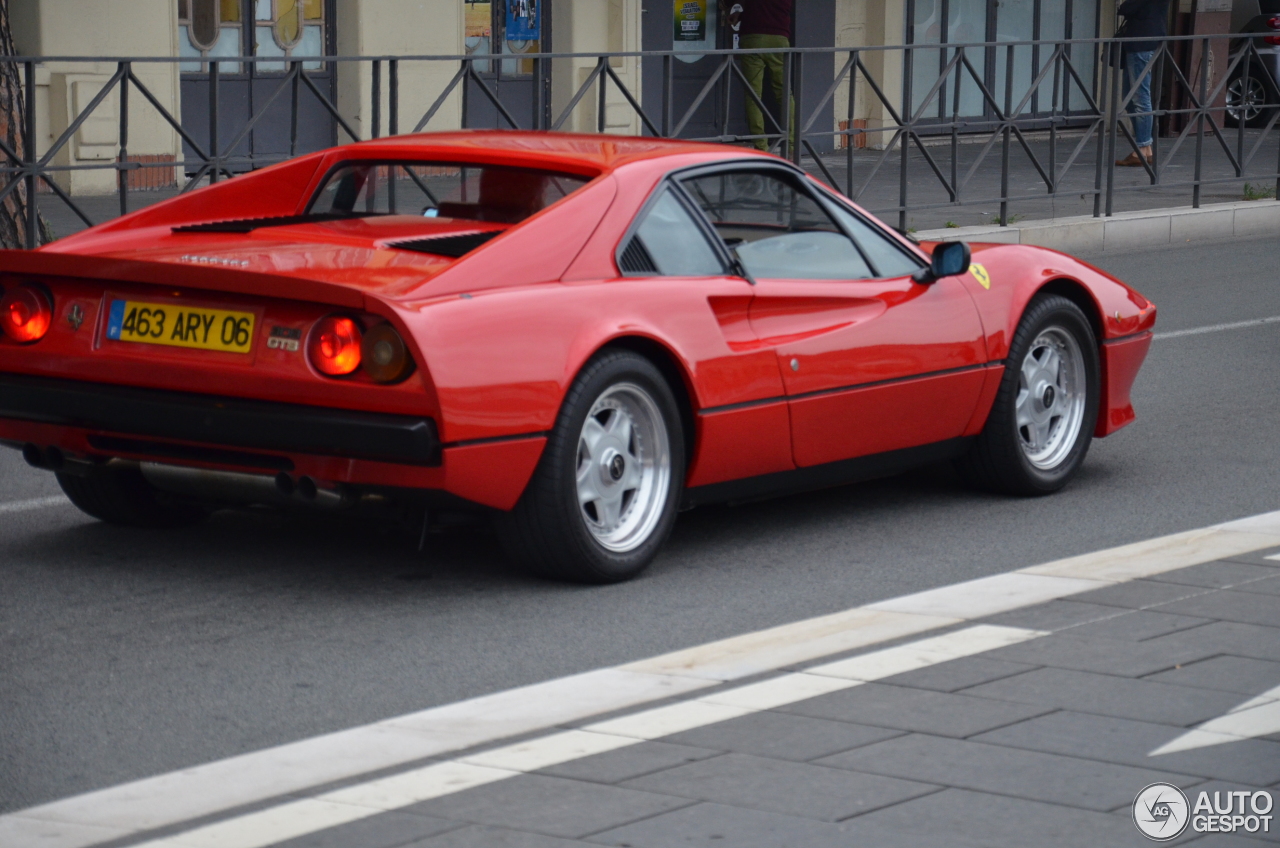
824,476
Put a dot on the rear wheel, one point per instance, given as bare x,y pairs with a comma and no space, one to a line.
604,496
1042,421
118,494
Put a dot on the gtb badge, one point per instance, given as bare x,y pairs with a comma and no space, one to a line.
284,338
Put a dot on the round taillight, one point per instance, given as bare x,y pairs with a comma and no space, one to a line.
386,359
334,346
25,314
1273,23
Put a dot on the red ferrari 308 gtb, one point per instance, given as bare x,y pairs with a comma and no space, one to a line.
577,334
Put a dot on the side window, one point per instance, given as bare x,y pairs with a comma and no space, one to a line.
889,259
778,230
671,243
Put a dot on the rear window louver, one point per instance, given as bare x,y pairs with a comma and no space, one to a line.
451,246
248,225
636,260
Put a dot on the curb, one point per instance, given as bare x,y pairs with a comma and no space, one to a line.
1129,230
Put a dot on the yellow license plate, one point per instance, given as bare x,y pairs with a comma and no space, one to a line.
181,326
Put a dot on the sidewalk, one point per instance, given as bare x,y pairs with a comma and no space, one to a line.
1041,743
1028,200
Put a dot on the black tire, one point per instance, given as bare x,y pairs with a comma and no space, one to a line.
119,494
550,530
1001,459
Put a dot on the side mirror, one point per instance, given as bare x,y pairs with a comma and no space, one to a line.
949,259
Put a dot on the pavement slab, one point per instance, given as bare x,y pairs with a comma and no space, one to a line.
779,786
921,710
1020,773
1104,694
1225,673
390,830
1216,575
1233,605
549,805
1081,650
629,762
958,674
784,736
1130,742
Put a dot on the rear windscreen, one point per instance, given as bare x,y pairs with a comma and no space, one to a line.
446,190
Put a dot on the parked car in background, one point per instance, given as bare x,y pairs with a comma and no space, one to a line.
1254,92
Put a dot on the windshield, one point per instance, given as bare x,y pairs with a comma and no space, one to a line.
494,193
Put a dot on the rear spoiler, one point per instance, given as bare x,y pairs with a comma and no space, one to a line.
196,275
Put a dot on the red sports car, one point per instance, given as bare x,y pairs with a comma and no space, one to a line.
579,335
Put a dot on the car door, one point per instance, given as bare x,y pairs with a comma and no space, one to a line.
871,360
743,423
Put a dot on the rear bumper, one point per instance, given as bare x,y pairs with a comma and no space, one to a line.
225,422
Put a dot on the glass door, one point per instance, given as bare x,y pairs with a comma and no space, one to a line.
933,24
211,29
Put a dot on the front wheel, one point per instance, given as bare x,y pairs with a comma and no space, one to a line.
1045,410
604,496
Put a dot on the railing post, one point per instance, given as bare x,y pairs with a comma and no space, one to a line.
375,94
393,97
122,173
1053,119
788,79
538,95
848,139
797,108
904,136
1004,142
668,117
1157,80
1103,85
296,68
602,93
1244,76
1202,113
29,153
213,121
955,123
1113,112
466,90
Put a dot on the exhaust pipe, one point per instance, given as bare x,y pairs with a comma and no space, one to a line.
237,488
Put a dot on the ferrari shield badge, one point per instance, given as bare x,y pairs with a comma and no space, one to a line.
980,274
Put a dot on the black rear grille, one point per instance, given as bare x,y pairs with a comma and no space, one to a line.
248,225
451,246
636,260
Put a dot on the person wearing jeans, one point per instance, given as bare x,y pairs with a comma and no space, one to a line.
1141,18
765,25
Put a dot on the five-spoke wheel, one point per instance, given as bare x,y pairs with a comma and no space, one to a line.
604,497
1042,421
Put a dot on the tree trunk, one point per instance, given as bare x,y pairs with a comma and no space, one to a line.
13,116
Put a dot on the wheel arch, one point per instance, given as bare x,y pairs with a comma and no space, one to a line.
676,374
1077,293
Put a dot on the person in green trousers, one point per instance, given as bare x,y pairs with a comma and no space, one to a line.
763,25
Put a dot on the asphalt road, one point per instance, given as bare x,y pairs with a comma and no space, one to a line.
126,653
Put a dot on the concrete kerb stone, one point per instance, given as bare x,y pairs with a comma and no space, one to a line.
1129,230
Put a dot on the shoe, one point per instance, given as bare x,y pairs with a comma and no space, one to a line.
1133,160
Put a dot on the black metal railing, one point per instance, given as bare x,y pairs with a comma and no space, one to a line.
859,123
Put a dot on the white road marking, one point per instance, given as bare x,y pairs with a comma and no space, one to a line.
1256,717
1273,557
1217,328
297,818
34,503
249,779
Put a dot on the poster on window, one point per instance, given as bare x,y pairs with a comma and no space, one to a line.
522,20
691,20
